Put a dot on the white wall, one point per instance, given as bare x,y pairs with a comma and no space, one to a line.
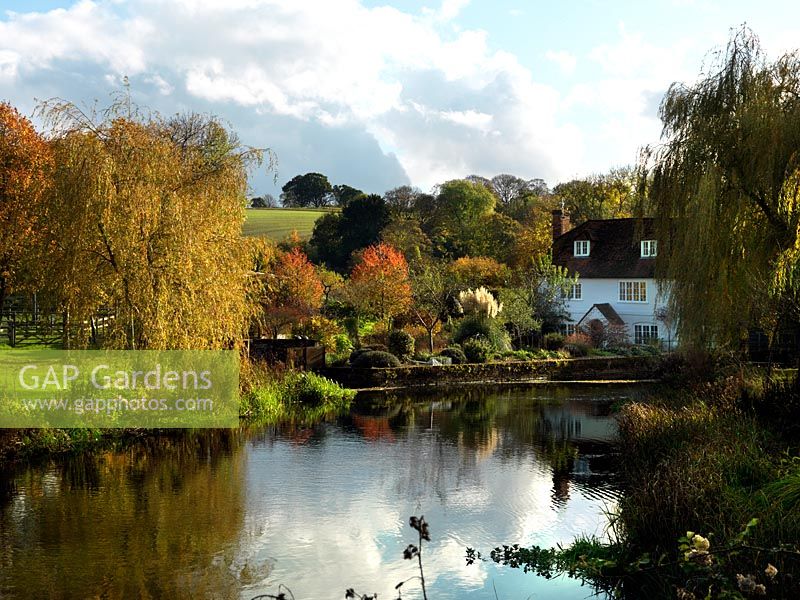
599,291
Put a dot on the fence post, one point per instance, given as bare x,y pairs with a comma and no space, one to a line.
12,329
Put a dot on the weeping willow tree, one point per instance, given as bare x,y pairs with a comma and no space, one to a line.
723,187
144,218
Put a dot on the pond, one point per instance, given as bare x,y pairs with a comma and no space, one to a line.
321,508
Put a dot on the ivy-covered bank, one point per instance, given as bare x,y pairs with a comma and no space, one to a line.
600,368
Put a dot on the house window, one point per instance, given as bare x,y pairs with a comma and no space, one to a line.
645,334
633,291
567,329
581,247
573,293
649,248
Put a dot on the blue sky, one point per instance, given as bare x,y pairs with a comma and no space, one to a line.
377,94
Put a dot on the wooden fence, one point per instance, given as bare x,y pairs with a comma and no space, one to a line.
24,328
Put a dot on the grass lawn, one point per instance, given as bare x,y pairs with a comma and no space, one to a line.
277,223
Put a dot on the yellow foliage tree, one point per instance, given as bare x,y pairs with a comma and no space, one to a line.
145,218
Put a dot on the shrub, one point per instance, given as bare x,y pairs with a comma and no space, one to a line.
401,344
553,341
375,358
477,350
490,330
373,348
577,344
455,354
518,355
269,395
314,390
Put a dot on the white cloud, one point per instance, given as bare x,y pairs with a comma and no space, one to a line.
440,99
566,61
333,64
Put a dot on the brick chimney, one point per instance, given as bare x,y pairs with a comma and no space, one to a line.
560,223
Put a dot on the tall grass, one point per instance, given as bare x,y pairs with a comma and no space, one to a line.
704,461
271,395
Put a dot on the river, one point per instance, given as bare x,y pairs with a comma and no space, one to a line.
324,507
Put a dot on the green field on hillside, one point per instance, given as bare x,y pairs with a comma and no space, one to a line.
277,223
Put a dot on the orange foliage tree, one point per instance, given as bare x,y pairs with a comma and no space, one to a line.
293,291
473,272
25,162
379,283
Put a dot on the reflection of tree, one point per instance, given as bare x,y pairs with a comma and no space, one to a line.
144,522
546,426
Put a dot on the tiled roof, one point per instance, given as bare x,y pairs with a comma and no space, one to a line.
605,309
614,249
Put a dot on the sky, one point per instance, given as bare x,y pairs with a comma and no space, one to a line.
378,94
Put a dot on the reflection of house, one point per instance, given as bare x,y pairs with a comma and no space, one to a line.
615,261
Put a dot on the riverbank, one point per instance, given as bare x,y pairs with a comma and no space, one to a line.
266,396
719,459
589,369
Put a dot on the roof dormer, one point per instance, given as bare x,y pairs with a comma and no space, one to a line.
649,249
581,248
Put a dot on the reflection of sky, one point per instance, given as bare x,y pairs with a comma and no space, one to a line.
333,514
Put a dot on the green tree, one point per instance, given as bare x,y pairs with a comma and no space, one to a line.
518,313
265,201
460,212
325,245
724,187
311,189
542,286
433,289
343,194
336,237
404,233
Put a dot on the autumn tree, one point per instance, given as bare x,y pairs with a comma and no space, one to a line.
293,291
531,243
602,196
144,218
25,166
473,272
725,188
379,283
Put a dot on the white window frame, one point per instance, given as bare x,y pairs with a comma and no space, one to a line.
633,291
581,248
644,333
649,248
575,292
568,329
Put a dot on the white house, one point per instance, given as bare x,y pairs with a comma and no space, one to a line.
615,262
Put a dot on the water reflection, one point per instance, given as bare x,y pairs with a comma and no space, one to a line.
320,508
